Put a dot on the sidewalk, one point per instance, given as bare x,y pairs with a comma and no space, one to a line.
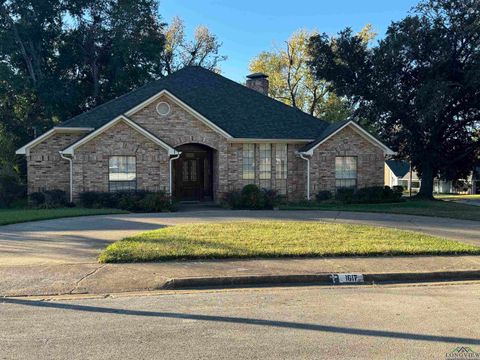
93,278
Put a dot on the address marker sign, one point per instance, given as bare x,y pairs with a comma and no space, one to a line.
347,278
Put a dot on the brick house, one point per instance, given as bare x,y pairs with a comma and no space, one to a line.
197,135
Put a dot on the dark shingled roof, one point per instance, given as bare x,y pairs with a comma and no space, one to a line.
399,168
238,110
329,130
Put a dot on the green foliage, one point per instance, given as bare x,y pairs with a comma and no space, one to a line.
49,199
136,201
419,87
11,189
292,81
344,195
323,195
376,194
253,198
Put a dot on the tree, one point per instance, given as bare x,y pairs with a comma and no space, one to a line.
203,50
292,81
419,87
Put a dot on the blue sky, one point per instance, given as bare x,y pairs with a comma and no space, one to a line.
247,27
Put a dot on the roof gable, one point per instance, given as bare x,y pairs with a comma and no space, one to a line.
237,110
336,127
71,149
399,168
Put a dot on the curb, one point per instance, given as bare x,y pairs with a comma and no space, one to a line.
319,279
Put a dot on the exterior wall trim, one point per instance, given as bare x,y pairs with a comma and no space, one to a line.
182,105
359,130
24,150
71,149
273,141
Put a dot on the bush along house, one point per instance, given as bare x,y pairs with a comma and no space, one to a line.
198,135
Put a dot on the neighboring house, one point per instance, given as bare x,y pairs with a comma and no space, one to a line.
397,172
198,135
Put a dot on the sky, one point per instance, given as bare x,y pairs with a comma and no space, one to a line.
248,27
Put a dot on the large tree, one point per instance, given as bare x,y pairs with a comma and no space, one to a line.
203,50
419,87
292,81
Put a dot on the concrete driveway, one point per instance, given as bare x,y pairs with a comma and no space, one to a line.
79,240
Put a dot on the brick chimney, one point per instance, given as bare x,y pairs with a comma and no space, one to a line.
258,82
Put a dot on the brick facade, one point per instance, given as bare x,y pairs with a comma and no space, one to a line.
91,160
370,161
46,170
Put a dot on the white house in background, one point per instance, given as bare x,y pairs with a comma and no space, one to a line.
397,172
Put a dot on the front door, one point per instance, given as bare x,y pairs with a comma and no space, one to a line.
193,174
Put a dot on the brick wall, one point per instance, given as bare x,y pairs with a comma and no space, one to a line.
370,161
91,161
46,170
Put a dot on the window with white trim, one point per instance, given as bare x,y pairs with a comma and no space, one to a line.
122,173
248,161
346,172
265,152
281,161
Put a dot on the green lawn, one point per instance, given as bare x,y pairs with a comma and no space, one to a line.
438,208
267,239
458,197
12,216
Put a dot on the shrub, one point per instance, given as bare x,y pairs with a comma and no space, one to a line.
344,195
323,195
376,194
253,198
398,190
135,201
36,199
11,189
49,199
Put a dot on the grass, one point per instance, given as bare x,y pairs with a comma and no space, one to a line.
272,239
12,216
437,208
458,197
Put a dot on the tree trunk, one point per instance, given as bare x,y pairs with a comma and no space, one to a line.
426,187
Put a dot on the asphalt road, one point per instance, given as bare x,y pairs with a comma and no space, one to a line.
363,322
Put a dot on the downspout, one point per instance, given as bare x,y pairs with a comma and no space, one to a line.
170,185
302,156
71,174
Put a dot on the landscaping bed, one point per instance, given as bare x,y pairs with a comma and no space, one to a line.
12,216
273,239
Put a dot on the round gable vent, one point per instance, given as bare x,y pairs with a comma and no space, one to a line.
163,108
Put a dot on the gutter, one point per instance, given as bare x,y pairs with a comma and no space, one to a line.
71,174
302,156
170,185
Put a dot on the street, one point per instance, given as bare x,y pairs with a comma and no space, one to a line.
355,322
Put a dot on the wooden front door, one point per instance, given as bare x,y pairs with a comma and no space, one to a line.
193,174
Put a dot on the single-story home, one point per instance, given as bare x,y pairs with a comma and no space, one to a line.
197,135
397,172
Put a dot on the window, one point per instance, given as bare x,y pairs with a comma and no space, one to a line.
122,173
248,165
281,161
265,161
346,172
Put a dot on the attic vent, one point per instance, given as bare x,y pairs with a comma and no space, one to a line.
163,108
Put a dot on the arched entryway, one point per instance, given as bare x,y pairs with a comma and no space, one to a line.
193,174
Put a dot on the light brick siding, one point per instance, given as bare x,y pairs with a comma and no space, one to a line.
46,170
180,127
91,161
370,161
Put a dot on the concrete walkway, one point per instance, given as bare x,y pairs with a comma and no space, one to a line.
80,240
